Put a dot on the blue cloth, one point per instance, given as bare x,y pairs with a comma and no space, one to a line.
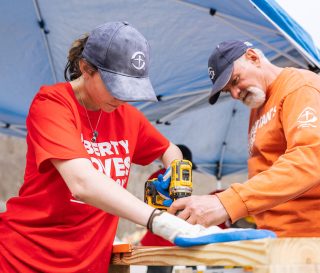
237,235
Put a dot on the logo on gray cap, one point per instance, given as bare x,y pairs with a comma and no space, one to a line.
138,60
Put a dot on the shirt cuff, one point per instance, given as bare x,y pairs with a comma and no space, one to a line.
233,204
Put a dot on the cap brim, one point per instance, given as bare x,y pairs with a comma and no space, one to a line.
213,99
128,88
220,83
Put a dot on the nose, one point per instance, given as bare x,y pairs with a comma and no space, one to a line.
235,93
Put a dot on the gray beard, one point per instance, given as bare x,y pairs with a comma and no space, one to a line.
256,97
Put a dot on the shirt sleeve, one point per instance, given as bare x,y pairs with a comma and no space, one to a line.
53,132
151,144
295,172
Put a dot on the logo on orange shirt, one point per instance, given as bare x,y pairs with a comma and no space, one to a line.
261,122
307,118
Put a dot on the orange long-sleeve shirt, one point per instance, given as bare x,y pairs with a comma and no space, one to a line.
283,190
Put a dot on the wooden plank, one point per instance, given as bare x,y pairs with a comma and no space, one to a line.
235,253
299,251
266,255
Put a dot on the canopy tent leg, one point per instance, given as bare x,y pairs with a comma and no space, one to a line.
224,147
44,34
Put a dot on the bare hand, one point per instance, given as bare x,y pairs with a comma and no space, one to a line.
205,210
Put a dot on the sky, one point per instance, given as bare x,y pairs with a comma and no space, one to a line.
306,13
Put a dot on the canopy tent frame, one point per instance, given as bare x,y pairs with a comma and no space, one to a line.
17,128
315,63
225,18
253,37
182,34
45,32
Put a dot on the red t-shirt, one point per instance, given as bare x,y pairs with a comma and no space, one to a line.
45,229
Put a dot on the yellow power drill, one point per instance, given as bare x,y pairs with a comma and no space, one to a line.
180,185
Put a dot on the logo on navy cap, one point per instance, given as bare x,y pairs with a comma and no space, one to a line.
211,72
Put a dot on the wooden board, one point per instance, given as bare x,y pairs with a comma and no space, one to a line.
266,255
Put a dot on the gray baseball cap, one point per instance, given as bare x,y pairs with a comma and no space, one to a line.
220,64
121,54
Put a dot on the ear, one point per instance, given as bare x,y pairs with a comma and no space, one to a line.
83,66
253,56
86,69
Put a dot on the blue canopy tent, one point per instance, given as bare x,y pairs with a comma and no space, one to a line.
36,36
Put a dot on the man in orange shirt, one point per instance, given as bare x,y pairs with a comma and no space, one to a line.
283,190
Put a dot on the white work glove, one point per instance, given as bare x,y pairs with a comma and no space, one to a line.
184,234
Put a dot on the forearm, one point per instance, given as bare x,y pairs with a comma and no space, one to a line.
96,189
172,153
285,180
109,196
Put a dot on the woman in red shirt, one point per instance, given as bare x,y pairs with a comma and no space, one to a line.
82,138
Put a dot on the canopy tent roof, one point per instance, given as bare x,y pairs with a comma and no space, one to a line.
36,36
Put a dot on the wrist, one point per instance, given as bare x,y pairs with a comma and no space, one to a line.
232,204
154,213
221,212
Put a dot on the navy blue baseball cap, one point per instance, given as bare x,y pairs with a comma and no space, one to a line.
220,65
121,54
